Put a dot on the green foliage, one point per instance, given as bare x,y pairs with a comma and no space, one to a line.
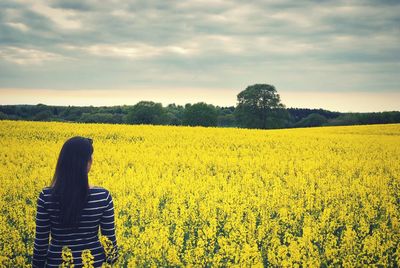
200,114
100,118
3,116
226,120
42,116
312,120
344,120
145,112
173,114
297,114
259,106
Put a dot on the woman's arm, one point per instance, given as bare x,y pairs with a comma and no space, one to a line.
41,243
107,227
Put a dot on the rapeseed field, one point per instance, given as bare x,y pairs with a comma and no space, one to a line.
202,197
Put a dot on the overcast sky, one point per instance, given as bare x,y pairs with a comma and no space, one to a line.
337,55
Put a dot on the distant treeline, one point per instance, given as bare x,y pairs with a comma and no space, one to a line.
199,114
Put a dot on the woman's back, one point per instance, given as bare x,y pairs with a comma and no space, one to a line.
97,213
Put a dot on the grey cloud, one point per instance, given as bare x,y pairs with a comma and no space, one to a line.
72,4
231,41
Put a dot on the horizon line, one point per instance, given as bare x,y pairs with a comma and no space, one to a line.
344,102
164,106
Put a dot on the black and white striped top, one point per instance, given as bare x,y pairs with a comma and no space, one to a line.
98,212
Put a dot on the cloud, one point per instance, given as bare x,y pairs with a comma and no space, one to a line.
297,45
131,50
26,56
66,19
18,25
76,5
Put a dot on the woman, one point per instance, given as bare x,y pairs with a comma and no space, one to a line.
71,211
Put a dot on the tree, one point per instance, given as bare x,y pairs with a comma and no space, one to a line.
145,112
42,116
200,114
312,120
3,116
226,120
100,118
174,114
259,106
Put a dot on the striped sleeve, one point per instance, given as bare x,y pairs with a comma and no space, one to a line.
107,227
42,234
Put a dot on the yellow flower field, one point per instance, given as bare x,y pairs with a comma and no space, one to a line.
194,196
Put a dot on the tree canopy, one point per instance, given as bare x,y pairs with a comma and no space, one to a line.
200,114
259,106
145,112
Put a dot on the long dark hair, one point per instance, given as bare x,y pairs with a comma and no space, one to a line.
70,184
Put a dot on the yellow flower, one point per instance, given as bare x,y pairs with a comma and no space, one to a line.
194,196
67,258
87,258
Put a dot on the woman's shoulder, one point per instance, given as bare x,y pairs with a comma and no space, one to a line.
99,193
94,188
44,194
97,189
46,190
